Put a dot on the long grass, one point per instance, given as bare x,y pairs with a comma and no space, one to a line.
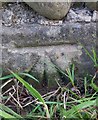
68,102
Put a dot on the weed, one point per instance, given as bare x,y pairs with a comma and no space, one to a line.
60,104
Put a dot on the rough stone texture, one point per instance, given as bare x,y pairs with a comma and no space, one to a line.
17,15
95,16
36,47
38,60
40,35
58,45
82,15
51,10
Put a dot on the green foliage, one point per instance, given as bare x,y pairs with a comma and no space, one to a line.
78,108
6,112
70,73
73,105
33,92
93,57
93,85
25,74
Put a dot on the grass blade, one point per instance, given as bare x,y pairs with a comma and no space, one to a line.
79,107
6,115
25,74
32,91
6,77
30,76
85,85
8,110
93,85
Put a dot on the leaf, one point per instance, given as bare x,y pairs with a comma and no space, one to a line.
11,75
93,85
93,57
8,110
76,108
73,70
32,90
88,53
6,77
30,76
6,115
85,85
69,74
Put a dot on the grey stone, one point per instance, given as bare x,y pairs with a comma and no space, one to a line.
18,60
81,15
23,15
38,72
37,35
7,16
72,16
95,16
36,47
33,60
50,10
63,57
39,62
51,74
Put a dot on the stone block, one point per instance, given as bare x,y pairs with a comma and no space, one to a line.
41,35
51,10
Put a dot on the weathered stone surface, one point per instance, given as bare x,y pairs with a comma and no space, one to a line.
79,16
38,35
36,48
39,61
51,75
17,15
7,16
18,59
51,10
95,16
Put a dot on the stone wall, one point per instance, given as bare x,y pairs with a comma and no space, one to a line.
34,44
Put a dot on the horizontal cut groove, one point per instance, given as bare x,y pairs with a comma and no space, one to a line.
39,47
48,45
